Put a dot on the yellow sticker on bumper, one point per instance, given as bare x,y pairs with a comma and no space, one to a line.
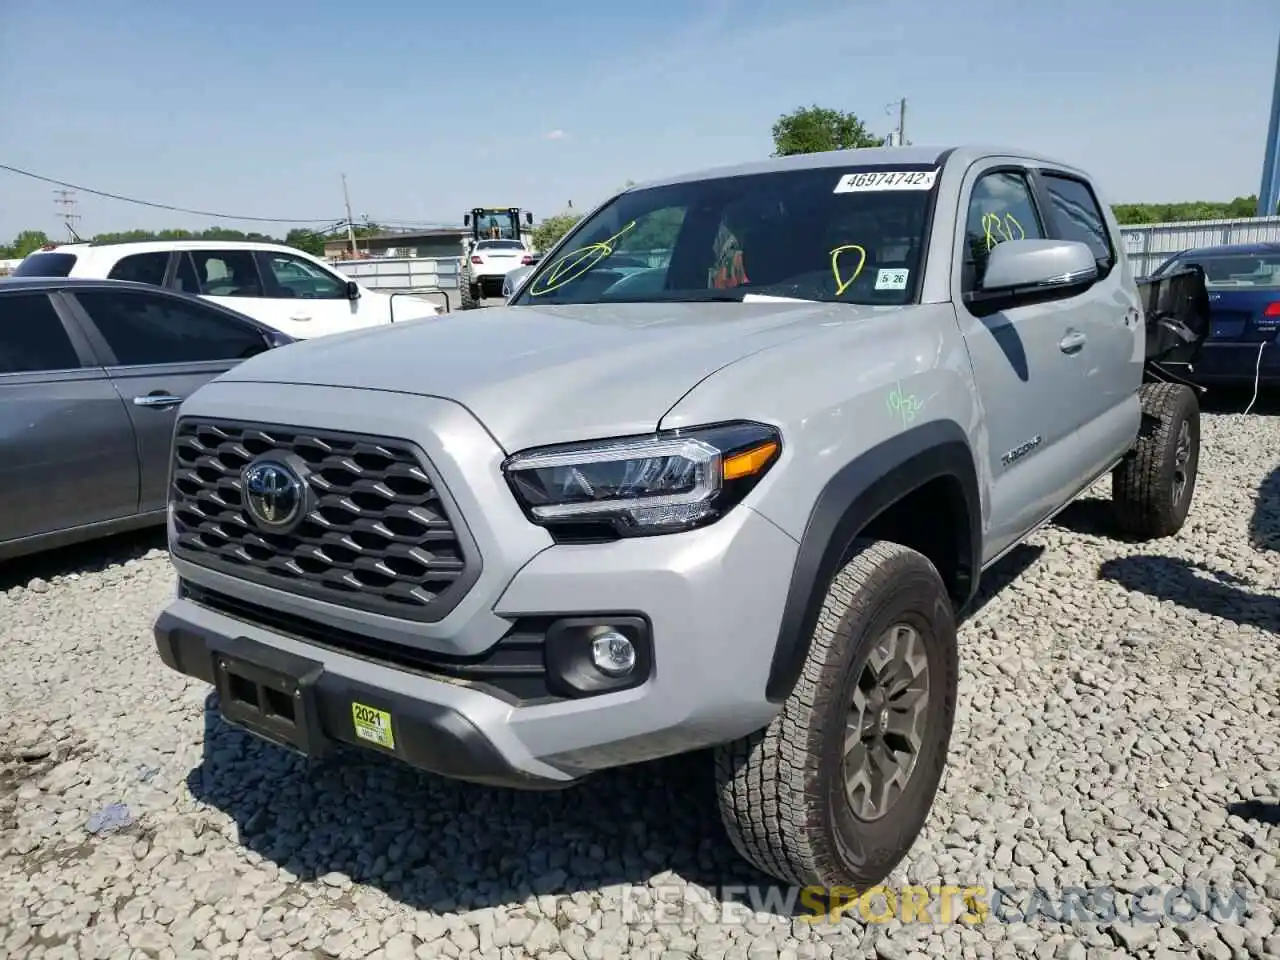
373,725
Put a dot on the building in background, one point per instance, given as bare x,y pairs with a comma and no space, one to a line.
436,242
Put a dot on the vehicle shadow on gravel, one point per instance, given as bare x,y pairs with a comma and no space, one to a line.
80,558
1198,587
1264,525
433,843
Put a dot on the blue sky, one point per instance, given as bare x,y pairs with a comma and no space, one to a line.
430,108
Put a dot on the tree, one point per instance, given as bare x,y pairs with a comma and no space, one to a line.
816,129
549,231
28,241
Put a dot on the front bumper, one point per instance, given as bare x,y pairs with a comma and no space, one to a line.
460,702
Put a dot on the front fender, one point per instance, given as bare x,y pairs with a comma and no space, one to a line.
853,497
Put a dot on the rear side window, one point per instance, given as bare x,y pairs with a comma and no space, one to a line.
143,328
46,265
32,337
1077,216
226,273
141,268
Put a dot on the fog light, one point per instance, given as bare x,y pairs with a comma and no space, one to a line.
613,654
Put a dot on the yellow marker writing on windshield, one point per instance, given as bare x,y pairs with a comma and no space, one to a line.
842,284
566,268
996,230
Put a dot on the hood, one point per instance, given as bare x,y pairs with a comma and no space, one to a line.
540,375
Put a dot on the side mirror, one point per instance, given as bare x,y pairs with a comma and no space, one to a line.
528,218
466,219
1028,271
353,290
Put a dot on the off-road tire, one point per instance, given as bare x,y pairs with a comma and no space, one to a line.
782,791
468,294
1142,485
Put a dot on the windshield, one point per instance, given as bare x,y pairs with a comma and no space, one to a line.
500,245
815,234
46,265
1225,271
495,226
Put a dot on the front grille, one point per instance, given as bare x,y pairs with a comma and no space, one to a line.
378,536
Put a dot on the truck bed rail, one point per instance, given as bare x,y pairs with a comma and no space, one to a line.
1176,309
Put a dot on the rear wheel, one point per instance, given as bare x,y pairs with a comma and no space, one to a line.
836,789
1154,485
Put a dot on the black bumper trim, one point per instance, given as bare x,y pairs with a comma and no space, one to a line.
430,737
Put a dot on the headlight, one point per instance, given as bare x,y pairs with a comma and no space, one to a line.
642,486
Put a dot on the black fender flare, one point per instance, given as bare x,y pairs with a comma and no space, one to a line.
858,493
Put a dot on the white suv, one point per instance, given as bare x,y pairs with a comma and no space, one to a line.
274,284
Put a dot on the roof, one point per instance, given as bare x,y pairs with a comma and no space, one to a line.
962,154
1244,249
45,283
148,246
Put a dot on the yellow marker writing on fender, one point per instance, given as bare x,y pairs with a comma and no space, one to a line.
841,284
562,271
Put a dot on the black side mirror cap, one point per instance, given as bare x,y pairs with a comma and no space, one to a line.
353,290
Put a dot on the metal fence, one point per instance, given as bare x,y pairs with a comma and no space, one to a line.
1149,245
403,274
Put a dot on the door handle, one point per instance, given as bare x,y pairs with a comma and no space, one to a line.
159,400
1073,342
298,318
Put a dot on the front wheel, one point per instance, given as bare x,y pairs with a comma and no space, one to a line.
1153,486
834,792
468,294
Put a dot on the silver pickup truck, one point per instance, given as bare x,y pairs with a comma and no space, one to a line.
734,495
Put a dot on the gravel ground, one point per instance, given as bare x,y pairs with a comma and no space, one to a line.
1118,728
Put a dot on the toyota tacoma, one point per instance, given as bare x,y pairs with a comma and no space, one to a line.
735,499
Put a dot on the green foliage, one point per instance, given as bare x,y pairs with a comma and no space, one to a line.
548,232
24,243
816,129
308,241
1139,213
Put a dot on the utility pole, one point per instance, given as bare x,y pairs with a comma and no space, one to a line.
898,137
351,230
65,200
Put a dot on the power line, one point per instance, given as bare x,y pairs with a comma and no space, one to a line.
160,206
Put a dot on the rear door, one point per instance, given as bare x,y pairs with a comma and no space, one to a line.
1025,369
158,349
68,457
1107,315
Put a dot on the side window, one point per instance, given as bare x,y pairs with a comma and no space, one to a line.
227,273
295,277
32,337
144,329
1077,216
1001,208
141,268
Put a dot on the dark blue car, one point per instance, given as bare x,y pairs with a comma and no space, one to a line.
1243,281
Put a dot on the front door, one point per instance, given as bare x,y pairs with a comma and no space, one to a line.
1026,362
161,350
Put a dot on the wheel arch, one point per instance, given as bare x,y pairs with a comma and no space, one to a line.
925,468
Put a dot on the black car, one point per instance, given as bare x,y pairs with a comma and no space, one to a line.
91,376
